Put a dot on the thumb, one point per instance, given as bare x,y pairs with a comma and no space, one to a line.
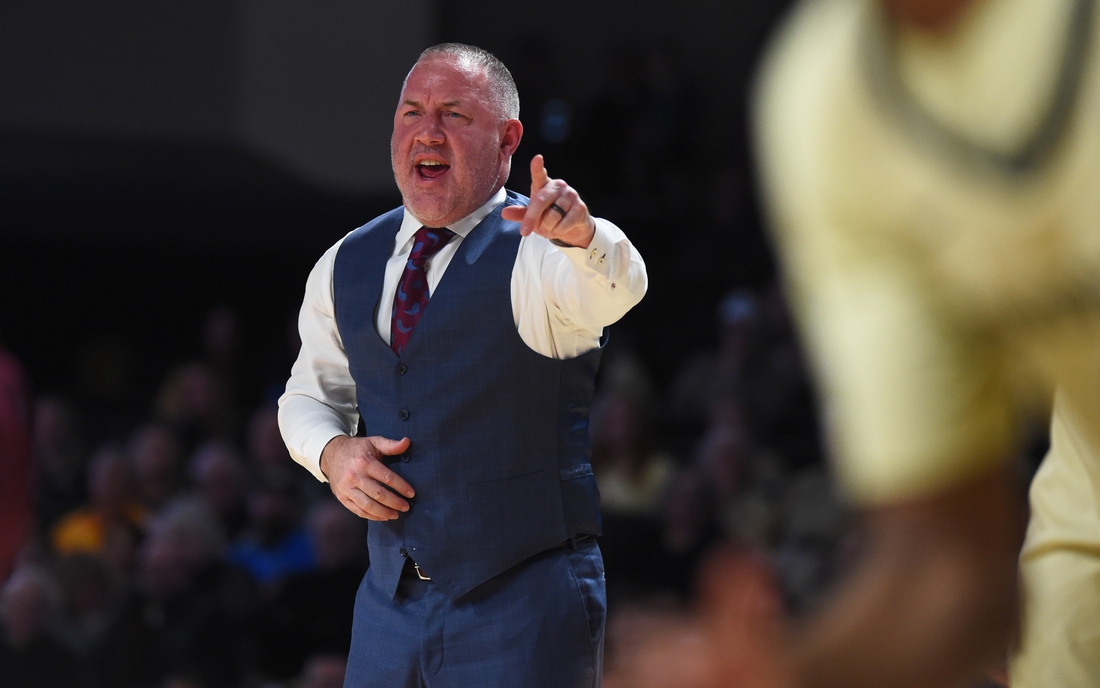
515,213
390,447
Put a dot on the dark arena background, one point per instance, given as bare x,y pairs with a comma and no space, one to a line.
170,172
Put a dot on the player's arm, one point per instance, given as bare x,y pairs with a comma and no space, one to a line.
918,420
934,599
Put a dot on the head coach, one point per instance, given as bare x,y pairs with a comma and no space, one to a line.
465,329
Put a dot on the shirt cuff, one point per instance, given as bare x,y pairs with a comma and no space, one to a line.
598,256
318,439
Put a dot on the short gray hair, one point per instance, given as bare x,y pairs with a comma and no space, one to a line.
504,89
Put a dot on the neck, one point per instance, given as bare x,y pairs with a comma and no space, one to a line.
936,16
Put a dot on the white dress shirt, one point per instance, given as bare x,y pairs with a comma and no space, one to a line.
562,298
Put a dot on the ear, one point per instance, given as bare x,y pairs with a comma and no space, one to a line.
510,137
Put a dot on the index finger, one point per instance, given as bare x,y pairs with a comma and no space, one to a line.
539,178
387,477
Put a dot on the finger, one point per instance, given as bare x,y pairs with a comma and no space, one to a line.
371,508
380,493
389,447
359,507
514,213
539,177
381,473
540,206
576,216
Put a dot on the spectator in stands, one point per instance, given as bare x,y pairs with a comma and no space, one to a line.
92,601
59,477
30,656
690,529
312,612
190,614
274,545
111,506
632,475
193,402
711,375
221,481
156,458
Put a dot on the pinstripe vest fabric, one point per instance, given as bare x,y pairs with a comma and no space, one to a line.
500,455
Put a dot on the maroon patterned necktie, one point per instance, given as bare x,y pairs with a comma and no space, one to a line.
412,291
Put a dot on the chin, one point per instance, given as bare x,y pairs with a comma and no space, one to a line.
429,213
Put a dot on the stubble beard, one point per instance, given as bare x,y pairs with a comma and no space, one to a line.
435,207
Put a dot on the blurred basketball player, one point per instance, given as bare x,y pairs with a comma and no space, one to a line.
933,174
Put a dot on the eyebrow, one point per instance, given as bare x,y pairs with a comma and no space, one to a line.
418,104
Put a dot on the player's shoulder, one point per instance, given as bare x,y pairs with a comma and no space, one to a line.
809,107
809,91
808,58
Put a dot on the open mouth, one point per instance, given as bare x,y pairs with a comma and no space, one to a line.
430,169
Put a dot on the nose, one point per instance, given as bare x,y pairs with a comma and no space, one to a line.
430,131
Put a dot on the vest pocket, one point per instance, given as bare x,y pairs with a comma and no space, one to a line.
506,489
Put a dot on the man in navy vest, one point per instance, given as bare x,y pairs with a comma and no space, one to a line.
475,475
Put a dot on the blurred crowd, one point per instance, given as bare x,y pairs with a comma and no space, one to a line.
728,453
188,551
191,552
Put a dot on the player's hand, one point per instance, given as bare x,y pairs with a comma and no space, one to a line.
734,640
360,480
556,210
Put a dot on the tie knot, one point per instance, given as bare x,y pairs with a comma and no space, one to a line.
428,241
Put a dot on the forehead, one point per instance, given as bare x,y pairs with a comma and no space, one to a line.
446,78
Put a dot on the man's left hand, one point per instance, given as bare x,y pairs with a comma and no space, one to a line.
556,210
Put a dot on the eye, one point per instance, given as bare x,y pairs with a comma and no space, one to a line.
412,113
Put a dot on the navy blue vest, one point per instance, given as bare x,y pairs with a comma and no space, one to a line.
500,455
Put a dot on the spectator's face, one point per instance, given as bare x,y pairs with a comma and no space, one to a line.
220,482
110,480
156,462
166,565
24,610
55,438
451,146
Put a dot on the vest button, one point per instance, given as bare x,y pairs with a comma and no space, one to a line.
403,552
402,368
405,458
403,414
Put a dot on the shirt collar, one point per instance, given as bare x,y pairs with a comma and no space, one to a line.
410,224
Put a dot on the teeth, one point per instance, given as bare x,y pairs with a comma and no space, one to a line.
432,163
